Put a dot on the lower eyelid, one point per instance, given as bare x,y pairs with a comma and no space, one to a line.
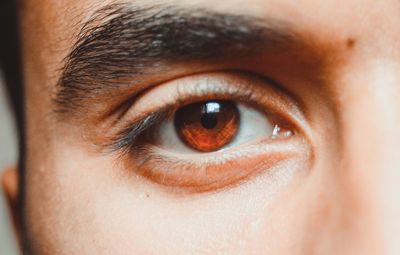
211,171
205,173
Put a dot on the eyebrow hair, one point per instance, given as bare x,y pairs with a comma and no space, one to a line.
121,42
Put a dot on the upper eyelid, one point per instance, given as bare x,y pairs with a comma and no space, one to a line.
144,119
244,86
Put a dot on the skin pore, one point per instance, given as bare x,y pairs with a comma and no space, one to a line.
314,168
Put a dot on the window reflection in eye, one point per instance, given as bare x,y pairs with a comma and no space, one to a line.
206,132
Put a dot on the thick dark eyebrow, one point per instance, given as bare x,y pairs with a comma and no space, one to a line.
121,42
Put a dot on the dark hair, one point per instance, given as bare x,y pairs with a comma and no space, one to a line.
10,64
10,61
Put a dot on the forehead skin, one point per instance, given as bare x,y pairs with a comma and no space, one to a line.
76,203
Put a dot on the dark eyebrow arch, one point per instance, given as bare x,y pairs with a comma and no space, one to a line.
122,42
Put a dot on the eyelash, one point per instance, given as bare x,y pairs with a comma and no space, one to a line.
126,139
133,136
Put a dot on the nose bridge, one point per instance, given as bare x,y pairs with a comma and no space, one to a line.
370,125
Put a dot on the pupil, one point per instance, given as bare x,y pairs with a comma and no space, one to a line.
209,121
209,114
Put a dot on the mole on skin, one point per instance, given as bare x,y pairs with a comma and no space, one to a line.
350,43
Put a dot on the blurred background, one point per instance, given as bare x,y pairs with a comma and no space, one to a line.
8,156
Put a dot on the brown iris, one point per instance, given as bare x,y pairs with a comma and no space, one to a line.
207,126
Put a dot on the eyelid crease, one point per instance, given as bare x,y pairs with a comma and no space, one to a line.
241,87
135,148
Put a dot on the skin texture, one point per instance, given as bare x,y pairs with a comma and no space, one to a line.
338,195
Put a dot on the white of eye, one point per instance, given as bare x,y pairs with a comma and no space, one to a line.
254,126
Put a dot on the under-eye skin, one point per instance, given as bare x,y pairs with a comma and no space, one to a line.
209,131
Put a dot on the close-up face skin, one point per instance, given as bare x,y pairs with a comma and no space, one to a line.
210,127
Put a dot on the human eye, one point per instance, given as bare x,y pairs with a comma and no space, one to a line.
209,131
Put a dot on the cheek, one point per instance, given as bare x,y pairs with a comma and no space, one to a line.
79,205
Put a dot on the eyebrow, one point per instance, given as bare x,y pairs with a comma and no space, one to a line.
122,42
